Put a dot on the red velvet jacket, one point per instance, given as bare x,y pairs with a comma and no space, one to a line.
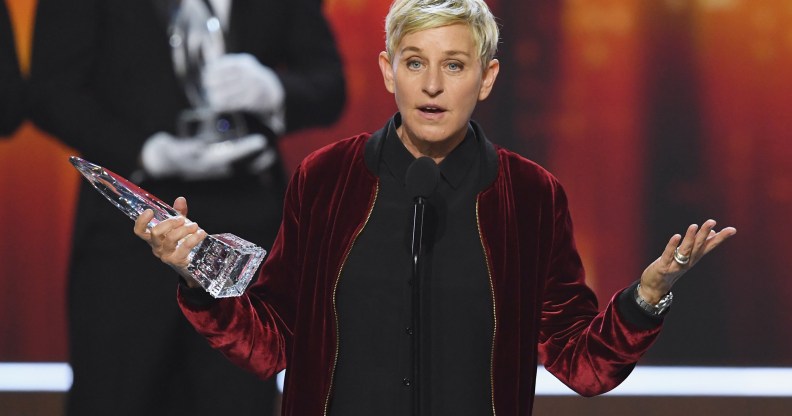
542,305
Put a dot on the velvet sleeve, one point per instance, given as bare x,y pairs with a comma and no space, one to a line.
590,351
254,330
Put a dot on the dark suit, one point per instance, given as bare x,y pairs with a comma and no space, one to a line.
11,82
103,82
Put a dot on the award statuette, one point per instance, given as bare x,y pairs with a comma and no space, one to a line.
223,264
196,39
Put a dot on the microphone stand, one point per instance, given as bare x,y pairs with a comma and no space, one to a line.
421,180
419,208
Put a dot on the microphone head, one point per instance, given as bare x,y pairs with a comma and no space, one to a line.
422,177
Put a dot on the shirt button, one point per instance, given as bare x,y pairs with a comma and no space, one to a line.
409,331
407,382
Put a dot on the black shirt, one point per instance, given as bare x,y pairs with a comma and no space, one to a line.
374,373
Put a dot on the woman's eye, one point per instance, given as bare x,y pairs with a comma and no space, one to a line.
414,65
453,66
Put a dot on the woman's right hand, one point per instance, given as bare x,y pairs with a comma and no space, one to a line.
172,240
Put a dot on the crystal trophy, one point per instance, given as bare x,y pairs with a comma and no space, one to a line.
196,39
223,264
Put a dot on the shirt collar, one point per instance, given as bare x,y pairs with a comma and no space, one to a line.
453,168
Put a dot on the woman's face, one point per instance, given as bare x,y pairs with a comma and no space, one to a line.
437,79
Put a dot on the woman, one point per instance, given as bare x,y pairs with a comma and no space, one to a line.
505,284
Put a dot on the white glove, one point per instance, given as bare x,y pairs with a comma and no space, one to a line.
192,159
238,82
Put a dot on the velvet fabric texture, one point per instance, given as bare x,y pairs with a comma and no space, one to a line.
543,307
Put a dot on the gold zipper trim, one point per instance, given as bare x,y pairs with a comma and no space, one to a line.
335,288
494,316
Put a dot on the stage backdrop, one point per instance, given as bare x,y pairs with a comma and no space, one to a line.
653,114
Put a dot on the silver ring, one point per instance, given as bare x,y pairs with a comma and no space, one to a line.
682,260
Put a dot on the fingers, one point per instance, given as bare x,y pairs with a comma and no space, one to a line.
715,239
141,225
661,275
700,241
181,255
226,152
263,161
686,246
169,239
668,251
225,72
701,238
168,233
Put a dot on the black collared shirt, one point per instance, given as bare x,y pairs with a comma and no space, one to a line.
374,373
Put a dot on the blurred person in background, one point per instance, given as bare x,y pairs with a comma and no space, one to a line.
103,80
12,85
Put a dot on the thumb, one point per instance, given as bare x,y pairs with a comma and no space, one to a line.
180,205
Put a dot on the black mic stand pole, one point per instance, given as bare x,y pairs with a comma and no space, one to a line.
417,301
421,180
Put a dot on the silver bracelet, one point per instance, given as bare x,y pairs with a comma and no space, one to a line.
654,310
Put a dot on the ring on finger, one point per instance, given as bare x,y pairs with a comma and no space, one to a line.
679,258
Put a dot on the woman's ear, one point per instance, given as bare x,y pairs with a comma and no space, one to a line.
387,71
488,79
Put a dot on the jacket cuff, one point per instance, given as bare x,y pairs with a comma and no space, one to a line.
194,298
631,312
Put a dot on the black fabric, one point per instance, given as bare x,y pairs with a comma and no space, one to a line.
374,373
633,313
195,296
103,82
12,85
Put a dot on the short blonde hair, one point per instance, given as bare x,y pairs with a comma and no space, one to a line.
409,16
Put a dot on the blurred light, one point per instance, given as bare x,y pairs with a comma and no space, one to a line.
644,381
281,378
35,377
688,381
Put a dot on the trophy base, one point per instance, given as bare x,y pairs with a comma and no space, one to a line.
224,264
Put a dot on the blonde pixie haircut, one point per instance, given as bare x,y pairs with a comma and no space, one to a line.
409,16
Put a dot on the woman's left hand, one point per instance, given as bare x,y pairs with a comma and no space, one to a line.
679,256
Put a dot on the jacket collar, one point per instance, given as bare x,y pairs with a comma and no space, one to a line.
489,158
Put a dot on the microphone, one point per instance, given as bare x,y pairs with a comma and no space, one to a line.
422,177
421,181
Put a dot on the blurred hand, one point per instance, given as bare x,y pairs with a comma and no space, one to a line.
660,276
238,82
164,155
172,240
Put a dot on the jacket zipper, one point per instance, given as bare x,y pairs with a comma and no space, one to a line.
494,316
335,287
